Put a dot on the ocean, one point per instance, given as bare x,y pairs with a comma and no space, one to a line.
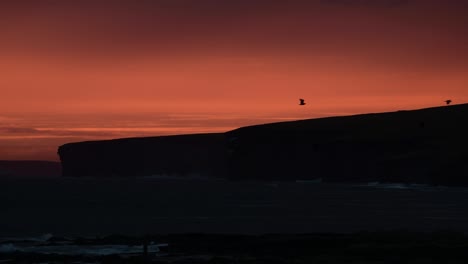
96,207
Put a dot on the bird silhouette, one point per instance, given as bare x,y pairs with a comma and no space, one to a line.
301,102
448,101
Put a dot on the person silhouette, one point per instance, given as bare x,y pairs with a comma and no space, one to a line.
302,102
448,101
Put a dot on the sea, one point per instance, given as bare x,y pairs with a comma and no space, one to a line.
152,205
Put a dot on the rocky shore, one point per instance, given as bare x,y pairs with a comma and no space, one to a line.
383,247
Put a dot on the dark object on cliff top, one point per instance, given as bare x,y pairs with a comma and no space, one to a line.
385,147
448,102
302,102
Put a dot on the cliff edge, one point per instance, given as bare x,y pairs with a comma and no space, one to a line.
198,154
416,146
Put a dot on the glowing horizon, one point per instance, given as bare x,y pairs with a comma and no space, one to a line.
74,71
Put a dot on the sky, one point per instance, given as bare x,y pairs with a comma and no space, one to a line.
88,70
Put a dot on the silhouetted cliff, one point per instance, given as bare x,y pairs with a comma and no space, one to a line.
199,154
421,146
424,146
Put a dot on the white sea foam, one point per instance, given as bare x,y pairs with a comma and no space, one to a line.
316,180
95,250
42,238
6,248
40,245
399,186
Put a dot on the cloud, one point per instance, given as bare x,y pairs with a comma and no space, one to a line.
5,119
366,3
163,47
165,29
26,132
18,130
138,126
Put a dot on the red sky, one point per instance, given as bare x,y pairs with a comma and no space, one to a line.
72,71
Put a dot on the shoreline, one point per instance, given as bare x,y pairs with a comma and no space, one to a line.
371,247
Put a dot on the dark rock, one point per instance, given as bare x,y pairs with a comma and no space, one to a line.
199,154
388,147
372,147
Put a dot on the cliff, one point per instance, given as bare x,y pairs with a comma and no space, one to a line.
420,146
199,154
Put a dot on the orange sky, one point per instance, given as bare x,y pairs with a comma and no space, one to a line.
72,71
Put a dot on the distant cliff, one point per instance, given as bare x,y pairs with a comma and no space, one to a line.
421,146
426,146
199,154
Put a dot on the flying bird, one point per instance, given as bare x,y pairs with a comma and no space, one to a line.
448,101
301,102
